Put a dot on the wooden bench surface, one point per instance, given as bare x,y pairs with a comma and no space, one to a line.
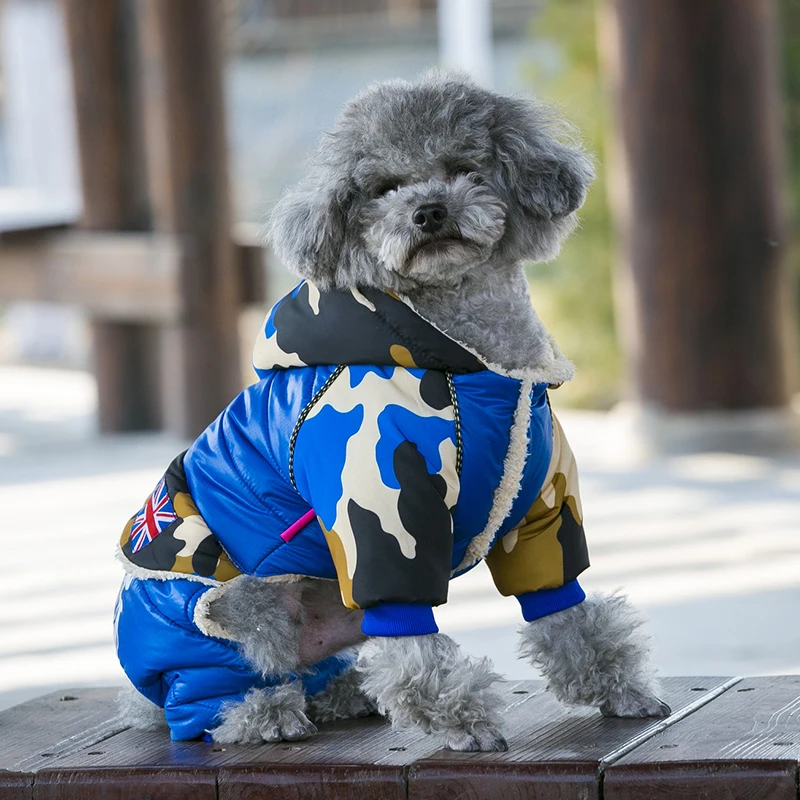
727,738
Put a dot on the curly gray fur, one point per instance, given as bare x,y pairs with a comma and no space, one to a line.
491,312
139,712
266,715
500,165
595,654
426,681
342,698
265,618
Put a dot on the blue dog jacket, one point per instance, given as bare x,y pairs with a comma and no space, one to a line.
374,450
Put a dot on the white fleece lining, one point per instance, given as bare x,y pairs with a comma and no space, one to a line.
511,482
559,369
202,612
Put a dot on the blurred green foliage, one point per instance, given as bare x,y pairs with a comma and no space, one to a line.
573,294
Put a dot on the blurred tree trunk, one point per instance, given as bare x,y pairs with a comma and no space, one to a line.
706,316
790,28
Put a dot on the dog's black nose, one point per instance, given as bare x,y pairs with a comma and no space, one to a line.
430,217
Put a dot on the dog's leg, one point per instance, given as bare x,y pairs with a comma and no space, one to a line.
139,712
266,715
328,627
428,682
594,654
264,618
342,698
280,628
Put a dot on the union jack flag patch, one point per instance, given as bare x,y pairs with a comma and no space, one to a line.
157,514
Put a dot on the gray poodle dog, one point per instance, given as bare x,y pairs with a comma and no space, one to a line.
435,193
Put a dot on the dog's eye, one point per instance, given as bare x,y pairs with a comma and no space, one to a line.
391,185
465,169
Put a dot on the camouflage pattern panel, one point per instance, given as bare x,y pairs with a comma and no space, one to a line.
309,327
376,459
548,548
168,534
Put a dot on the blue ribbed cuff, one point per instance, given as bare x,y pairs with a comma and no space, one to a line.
547,601
399,619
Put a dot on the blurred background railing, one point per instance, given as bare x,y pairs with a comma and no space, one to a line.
286,68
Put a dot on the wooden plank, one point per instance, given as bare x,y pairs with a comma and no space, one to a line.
14,786
745,745
126,277
188,181
555,751
326,760
706,312
743,739
37,733
126,784
554,754
313,782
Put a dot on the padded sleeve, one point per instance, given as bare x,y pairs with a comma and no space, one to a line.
376,460
547,551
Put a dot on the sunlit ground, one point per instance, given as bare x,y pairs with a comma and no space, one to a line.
707,545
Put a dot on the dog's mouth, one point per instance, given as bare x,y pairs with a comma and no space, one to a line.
436,247
453,248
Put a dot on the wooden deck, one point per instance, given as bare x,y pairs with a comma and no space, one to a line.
731,738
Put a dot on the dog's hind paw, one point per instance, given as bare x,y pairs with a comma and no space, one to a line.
635,705
292,726
341,699
273,715
483,738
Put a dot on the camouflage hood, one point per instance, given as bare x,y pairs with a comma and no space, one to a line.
367,326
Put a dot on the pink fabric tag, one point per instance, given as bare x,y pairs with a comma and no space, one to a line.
296,527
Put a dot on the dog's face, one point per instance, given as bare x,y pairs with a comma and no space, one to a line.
419,184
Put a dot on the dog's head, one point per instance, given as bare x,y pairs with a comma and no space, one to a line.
419,183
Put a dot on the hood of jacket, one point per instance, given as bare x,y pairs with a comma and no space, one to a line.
358,326
366,326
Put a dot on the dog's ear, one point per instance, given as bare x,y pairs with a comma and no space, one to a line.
307,230
542,175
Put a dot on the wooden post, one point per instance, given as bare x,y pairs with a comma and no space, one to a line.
705,295
187,162
102,47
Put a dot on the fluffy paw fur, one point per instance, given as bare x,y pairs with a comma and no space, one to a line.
341,699
138,712
266,715
595,654
635,705
426,681
480,737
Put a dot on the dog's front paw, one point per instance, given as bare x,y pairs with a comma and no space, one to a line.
633,705
477,737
